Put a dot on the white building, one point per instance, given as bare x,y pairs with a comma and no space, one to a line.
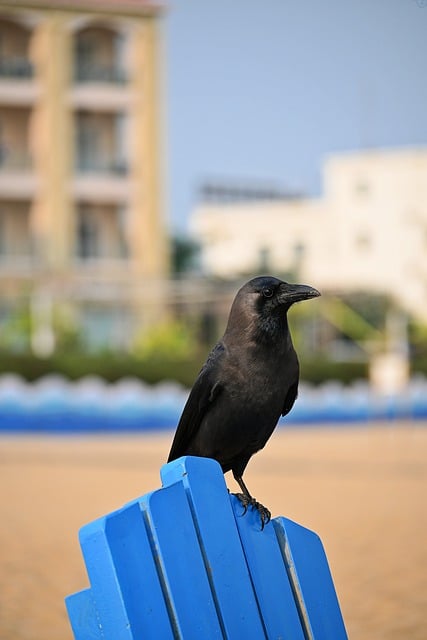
368,232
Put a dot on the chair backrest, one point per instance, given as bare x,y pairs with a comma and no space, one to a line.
183,562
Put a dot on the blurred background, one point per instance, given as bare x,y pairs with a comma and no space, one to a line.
152,158
155,156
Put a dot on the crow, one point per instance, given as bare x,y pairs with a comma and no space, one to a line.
249,380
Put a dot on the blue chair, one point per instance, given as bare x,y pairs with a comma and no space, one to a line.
185,562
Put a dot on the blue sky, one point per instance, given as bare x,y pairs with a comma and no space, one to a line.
263,90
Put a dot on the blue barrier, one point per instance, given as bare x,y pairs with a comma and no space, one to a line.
55,405
185,562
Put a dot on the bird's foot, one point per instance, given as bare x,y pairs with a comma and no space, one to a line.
248,501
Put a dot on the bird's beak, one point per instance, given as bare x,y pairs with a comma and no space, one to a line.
297,292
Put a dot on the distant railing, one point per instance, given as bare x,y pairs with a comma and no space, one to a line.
16,68
12,160
99,73
86,165
221,193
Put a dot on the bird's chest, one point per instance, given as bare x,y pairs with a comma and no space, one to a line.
250,401
258,385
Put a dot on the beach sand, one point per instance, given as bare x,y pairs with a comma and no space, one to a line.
362,489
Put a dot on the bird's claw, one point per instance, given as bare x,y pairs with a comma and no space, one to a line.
247,501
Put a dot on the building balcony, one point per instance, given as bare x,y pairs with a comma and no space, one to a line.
101,97
16,269
17,179
100,233
15,161
100,76
16,247
101,187
101,166
16,68
20,91
105,74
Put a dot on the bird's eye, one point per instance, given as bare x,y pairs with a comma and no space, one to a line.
267,292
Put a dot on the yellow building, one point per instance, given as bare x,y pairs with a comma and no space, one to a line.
80,172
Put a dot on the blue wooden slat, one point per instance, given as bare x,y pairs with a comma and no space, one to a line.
270,579
136,573
223,555
124,581
101,571
180,560
83,615
307,564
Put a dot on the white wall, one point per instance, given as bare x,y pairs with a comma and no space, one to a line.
368,231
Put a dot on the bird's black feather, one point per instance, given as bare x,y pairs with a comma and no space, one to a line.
249,380
204,391
291,396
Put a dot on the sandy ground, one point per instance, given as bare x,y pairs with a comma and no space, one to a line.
363,489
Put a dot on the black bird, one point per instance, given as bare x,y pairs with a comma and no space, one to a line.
249,380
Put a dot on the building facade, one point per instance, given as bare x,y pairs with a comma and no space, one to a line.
80,166
368,231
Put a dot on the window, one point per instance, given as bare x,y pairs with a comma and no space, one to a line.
363,241
100,144
362,188
101,232
264,259
299,251
87,235
2,235
14,44
98,56
15,240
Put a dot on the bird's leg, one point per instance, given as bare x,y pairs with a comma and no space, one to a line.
244,497
247,500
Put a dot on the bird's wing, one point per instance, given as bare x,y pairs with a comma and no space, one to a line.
205,389
291,396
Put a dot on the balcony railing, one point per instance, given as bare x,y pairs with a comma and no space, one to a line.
90,165
12,160
85,72
16,68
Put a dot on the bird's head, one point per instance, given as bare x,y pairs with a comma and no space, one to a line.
271,294
262,303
